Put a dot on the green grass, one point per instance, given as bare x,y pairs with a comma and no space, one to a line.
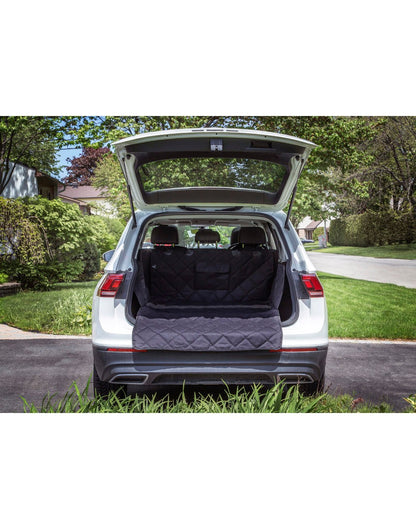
356,309
364,309
392,251
257,400
64,310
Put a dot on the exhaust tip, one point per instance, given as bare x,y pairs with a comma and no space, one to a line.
133,378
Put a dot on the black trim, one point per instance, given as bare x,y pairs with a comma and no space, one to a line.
110,364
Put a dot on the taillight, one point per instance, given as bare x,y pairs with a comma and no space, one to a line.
313,285
111,283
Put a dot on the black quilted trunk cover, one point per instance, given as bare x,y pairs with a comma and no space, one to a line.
222,301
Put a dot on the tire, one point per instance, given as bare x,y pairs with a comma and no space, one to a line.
102,388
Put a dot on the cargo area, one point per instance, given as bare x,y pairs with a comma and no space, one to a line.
207,296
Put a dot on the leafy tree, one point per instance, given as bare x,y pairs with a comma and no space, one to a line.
388,183
339,141
32,141
108,175
392,176
101,131
81,168
106,231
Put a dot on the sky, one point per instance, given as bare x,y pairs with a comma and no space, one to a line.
62,155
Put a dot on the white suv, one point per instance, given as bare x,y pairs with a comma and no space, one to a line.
209,283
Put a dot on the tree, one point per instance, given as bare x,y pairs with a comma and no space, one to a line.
108,175
389,181
339,141
394,168
32,141
81,169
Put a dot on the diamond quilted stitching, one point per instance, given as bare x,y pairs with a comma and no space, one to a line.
207,334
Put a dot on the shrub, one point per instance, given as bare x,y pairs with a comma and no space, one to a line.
43,242
373,229
64,224
43,276
3,277
20,236
68,234
105,231
91,261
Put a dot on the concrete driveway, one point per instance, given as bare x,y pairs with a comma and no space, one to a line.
375,371
396,271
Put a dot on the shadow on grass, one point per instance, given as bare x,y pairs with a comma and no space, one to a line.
75,285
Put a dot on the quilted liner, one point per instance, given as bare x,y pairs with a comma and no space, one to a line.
226,277
217,297
198,333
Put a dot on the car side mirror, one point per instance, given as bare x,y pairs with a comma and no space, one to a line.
108,255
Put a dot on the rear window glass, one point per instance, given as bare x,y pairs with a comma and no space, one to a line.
242,173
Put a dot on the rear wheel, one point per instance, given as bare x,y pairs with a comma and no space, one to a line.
103,388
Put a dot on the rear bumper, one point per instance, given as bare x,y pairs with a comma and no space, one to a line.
159,369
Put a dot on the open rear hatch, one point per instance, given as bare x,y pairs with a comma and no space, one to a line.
212,167
210,300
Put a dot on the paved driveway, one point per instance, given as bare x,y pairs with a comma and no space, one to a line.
397,271
31,367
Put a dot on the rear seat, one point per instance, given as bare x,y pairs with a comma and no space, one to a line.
209,277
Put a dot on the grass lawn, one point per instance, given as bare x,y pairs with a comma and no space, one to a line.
392,251
273,400
357,309
64,310
364,309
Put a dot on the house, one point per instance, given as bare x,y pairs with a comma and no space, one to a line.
307,227
28,182
89,199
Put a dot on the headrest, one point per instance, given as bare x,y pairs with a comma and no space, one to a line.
234,236
252,235
164,235
207,236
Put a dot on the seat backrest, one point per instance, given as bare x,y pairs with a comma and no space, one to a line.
234,236
197,276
